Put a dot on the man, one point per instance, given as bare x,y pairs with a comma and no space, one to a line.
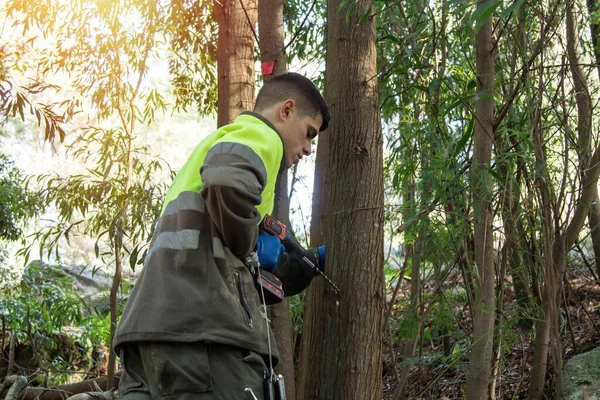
192,327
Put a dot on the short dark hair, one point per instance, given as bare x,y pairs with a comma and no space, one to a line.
302,90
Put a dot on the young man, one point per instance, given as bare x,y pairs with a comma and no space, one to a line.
192,327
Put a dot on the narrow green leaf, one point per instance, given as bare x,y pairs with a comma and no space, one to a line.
513,9
483,12
460,145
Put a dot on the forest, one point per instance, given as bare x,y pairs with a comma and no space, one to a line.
456,186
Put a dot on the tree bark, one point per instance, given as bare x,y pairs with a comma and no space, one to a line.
346,326
235,57
271,43
484,304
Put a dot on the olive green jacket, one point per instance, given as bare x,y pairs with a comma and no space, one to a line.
194,286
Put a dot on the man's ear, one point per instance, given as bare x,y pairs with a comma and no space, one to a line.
287,107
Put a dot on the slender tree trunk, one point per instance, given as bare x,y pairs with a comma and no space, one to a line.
508,202
235,57
594,223
312,343
409,347
548,305
483,307
272,55
594,217
584,115
114,290
556,267
408,350
127,110
517,266
348,324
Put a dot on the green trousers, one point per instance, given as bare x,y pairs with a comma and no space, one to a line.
185,371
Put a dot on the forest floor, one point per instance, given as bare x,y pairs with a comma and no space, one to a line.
436,377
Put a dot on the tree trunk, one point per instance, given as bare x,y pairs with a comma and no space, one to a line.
548,305
594,217
483,301
114,290
312,345
235,57
271,38
272,55
408,350
555,264
584,119
346,326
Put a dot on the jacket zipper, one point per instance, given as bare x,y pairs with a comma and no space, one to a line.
242,299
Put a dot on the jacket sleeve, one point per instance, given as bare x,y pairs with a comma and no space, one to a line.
296,275
234,177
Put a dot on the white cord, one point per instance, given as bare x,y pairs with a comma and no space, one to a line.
264,304
251,393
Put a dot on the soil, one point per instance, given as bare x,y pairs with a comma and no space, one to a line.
437,378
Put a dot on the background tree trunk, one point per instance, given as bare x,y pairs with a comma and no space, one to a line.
235,57
483,301
594,217
272,55
347,365
312,345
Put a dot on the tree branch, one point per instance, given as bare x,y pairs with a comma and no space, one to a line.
583,204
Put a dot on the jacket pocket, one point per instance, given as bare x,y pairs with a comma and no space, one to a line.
243,302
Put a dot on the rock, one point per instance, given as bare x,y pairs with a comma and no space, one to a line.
94,396
582,376
91,284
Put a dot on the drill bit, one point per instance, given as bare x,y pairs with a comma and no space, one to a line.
307,260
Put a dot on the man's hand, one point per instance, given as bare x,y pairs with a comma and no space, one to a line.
269,249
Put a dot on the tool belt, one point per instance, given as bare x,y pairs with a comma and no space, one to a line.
270,284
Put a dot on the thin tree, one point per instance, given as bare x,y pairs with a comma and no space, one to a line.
547,328
483,131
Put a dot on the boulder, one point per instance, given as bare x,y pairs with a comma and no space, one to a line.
582,376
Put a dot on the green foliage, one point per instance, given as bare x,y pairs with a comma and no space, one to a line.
116,200
18,99
104,48
297,312
97,200
192,62
305,32
407,325
484,12
40,308
17,202
43,302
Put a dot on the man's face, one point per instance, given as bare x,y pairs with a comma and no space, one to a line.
297,133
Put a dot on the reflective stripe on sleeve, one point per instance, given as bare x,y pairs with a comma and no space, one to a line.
185,201
243,151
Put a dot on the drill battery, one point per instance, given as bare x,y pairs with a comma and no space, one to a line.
265,282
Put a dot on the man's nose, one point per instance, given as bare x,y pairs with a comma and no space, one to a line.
306,149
